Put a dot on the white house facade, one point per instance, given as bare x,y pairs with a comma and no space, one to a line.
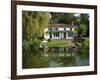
59,31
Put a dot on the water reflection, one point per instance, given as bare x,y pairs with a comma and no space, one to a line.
56,57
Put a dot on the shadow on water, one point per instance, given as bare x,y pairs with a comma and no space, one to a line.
55,57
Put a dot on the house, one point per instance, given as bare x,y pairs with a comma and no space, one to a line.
59,31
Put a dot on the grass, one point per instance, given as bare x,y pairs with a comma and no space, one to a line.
58,43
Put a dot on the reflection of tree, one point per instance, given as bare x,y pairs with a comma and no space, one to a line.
83,53
66,58
34,60
62,50
66,18
41,59
66,61
82,58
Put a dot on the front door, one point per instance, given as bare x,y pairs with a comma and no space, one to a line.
50,35
64,35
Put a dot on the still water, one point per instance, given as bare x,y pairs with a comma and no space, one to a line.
55,57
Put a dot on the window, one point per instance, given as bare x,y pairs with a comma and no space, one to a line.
64,28
70,34
49,28
55,28
56,34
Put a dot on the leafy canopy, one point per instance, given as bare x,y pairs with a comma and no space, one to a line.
33,24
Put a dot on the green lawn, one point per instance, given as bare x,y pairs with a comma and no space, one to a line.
58,43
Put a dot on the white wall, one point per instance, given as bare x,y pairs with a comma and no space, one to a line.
61,35
46,35
5,43
60,28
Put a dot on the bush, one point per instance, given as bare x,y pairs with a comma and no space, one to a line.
49,40
26,45
79,45
85,42
35,44
30,45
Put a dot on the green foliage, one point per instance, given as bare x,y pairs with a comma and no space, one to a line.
33,24
55,17
84,19
61,18
36,44
26,45
60,31
67,18
33,59
84,43
49,40
81,30
31,45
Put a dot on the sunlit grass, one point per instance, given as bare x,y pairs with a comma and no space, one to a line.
58,43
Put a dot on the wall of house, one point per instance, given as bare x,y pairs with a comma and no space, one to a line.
62,28
46,35
61,35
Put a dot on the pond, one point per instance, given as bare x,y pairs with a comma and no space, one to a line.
55,57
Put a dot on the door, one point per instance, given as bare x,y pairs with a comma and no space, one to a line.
64,35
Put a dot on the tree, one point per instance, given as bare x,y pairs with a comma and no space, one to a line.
55,17
82,22
84,19
33,24
67,18
81,30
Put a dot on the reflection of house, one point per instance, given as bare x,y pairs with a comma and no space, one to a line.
59,31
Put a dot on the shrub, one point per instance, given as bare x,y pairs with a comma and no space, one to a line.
35,43
30,45
49,40
85,43
26,45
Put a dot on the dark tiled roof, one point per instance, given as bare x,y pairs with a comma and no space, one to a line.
60,25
